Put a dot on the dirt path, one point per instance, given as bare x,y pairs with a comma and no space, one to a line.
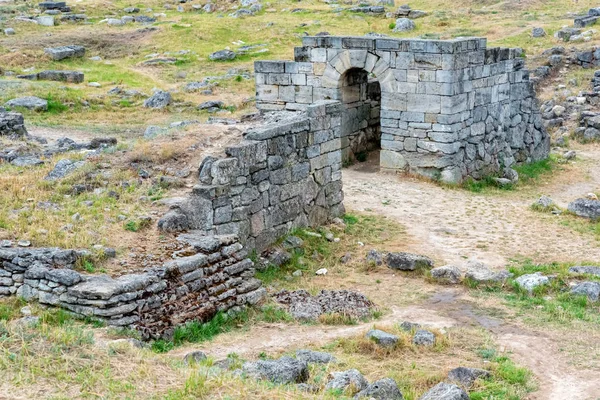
453,225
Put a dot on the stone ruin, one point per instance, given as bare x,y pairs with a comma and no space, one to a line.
446,109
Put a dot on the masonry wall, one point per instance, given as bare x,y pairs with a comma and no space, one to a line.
449,109
217,277
281,176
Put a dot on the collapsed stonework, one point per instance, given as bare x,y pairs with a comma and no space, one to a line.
217,276
448,109
283,175
12,124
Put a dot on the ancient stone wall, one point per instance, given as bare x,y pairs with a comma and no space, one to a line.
281,176
449,108
217,276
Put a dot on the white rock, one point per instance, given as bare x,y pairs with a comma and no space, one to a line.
322,271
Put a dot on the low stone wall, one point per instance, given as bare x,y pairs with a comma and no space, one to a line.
12,123
217,276
281,176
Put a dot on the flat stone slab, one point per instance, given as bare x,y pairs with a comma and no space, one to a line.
382,338
62,52
29,102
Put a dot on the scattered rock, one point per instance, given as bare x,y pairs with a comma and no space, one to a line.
446,274
545,202
63,168
531,281
589,289
159,100
404,25
585,269
478,272
321,271
152,131
585,208
9,31
538,32
282,371
194,357
409,326
423,338
222,55
407,261
383,389
467,376
351,379
374,257
29,102
382,338
315,357
45,20
62,52
445,391
26,161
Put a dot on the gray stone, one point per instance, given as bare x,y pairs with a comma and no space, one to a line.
222,55
63,168
9,31
478,272
585,269
45,20
26,161
538,32
446,274
423,337
409,326
545,202
350,379
65,277
285,370
159,100
445,391
62,52
467,376
194,357
153,131
374,257
404,25
29,102
589,289
315,357
382,338
383,389
585,208
530,281
407,261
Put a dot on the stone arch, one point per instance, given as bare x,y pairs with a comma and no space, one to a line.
358,78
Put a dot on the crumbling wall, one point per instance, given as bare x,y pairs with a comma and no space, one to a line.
12,123
216,277
281,176
449,108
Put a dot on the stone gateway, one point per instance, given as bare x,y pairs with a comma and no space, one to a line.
446,109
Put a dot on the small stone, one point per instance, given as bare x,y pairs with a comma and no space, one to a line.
538,32
314,357
383,389
530,281
9,31
407,261
445,391
26,311
322,271
423,338
467,376
159,100
23,243
345,259
352,380
297,273
374,257
194,357
589,289
408,326
222,55
446,274
382,338
404,25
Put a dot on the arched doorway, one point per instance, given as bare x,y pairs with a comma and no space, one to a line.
361,127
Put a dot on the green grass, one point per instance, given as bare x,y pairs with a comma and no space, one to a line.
508,381
533,171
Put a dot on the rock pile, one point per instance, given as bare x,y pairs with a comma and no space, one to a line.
12,124
302,306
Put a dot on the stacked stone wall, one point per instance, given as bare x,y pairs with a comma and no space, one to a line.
449,108
281,176
12,123
216,277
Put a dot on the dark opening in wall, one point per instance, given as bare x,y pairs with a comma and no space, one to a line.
361,129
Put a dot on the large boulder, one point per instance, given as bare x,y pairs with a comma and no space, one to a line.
445,391
282,371
589,289
383,389
530,281
350,379
407,261
29,102
585,208
467,376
